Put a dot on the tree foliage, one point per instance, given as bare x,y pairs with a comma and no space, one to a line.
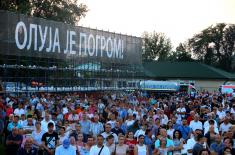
156,46
215,45
67,11
182,53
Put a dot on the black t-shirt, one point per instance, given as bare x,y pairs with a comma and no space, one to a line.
50,139
16,138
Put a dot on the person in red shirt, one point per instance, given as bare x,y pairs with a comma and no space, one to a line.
9,110
191,117
131,142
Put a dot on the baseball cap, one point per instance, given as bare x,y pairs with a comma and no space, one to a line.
66,143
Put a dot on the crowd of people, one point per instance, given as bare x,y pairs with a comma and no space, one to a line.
118,123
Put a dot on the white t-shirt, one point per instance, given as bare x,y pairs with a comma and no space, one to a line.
60,150
139,132
95,150
232,111
112,123
101,107
65,110
170,132
105,135
61,139
179,116
73,117
19,112
221,114
164,120
44,124
195,125
206,124
142,150
206,129
130,122
190,144
224,127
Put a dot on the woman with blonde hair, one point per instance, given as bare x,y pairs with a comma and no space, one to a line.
121,148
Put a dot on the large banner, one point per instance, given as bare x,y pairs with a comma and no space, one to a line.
35,37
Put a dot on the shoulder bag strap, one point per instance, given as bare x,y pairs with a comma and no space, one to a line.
101,150
115,149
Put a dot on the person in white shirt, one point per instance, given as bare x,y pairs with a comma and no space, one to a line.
73,117
196,124
130,121
232,111
139,132
62,135
191,142
170,129
108,132
19,111
163,117
65,110
112,120
45,121
99,149
221,113
224,127
141,148
23,121
100,106
180,113
211,123
96,127
210,117
65,149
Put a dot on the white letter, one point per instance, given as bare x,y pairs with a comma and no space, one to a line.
56,41
103,44
32,26
20,24
117,48
109,52
72,42
97,38
42,36
121,54
91,38
80,43
48,49
67,43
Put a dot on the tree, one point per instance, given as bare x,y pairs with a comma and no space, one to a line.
67,11
156,46
215,45
20,6
182,53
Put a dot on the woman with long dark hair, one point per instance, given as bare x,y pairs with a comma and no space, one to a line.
141,148
178,142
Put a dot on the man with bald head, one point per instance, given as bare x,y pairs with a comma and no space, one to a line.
196,124
28,148
169,142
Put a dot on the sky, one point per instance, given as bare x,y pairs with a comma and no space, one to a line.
178,19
